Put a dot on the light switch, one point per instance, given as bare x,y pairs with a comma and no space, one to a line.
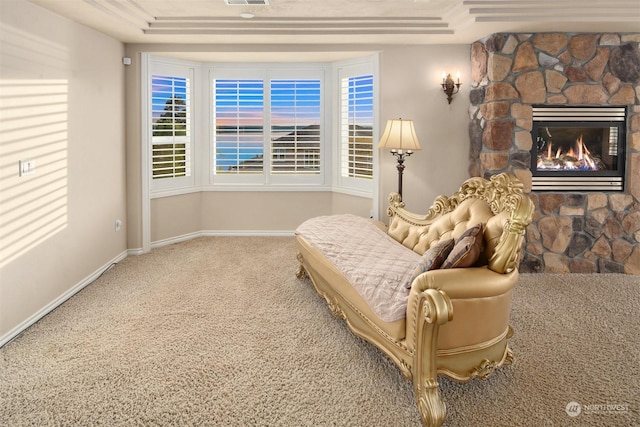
27,167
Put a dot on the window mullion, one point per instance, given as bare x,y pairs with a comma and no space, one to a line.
266,140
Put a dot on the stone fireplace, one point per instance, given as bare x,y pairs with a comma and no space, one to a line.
576,228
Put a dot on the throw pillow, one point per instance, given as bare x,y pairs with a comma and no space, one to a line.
466,250
433,258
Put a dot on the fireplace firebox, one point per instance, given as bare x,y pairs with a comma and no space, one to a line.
578,148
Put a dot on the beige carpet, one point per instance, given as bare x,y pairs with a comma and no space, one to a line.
219,332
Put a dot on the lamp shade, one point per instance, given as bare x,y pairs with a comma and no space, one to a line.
399,135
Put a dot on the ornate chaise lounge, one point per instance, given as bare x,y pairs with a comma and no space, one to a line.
432,291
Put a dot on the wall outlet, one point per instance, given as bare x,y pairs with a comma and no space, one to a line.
27,167
118,225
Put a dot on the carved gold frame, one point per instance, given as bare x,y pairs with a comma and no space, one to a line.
503,192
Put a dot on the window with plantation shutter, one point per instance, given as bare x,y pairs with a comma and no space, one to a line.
238,126
170,127
356,127
253,126
295,126
267,127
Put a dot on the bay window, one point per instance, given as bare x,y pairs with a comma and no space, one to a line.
253,126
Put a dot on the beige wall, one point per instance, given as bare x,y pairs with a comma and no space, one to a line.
267,211
346,203
409,88
247,212
176,216
63,107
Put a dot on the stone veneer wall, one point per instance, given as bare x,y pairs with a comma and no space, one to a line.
581,232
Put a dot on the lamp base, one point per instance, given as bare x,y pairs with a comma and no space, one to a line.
400,155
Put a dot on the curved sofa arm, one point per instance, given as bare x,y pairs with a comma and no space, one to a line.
507,253
457,283
470,282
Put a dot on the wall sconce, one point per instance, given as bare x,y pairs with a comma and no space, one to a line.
450,88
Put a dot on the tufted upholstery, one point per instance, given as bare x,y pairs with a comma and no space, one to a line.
493,230
450,225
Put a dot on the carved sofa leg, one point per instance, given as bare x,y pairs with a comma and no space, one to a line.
508,358
432,408
301,273
434,309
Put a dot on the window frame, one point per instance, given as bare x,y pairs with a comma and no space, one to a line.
171,68
302,150
352,185
266,180
201,178
221,179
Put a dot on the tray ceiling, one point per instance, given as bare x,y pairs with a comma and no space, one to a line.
340,21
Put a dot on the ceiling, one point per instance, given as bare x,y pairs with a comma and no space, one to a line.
341,22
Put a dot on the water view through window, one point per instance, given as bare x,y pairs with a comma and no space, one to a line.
293,109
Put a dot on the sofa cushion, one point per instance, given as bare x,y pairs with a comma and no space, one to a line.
375,265
433,258
336,289
466,250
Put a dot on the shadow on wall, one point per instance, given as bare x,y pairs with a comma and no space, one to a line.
33,144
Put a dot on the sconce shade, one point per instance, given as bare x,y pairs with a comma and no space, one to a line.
399,135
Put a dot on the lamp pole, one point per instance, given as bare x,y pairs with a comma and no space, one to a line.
400,166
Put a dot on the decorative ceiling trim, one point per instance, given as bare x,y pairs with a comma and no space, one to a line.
302,18
132,13
552,11
457,21
315,32
128,11
554,18
303,25
247,2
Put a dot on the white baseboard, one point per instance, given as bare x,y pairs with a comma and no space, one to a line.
213,233
89,279
62,298
138,251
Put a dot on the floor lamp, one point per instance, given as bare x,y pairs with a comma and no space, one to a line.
400,137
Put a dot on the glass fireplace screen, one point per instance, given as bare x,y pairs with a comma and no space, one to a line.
567,147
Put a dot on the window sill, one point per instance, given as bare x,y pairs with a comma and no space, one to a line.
252,188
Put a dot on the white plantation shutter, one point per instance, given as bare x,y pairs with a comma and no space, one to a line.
247,126
267,126
171,127
238,138
356,127
295,126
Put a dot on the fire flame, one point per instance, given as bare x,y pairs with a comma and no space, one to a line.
577,157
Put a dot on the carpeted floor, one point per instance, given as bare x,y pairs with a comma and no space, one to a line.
218,331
